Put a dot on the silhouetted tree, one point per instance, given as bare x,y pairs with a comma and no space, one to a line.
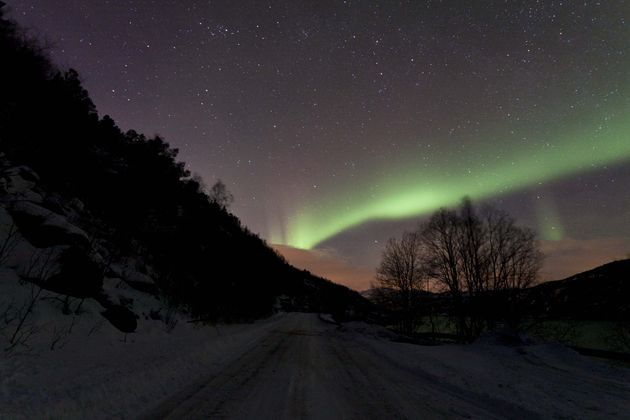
220,195
400,276
440,238
483,262
513,260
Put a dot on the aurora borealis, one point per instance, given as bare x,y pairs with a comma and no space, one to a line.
606,142
338,124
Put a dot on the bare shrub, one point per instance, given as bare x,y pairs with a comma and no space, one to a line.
8,244
17,327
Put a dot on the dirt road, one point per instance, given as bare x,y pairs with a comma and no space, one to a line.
307,368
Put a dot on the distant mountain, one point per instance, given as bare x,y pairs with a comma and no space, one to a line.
600,293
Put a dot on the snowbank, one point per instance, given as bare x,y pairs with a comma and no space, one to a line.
549,380
98,372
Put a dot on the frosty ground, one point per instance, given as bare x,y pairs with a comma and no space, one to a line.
299,366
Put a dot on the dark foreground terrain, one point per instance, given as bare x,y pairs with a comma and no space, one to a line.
304,367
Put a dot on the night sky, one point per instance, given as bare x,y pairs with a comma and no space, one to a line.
338,124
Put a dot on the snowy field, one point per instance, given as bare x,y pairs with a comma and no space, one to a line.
297,366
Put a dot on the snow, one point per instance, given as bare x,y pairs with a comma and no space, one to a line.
100,373
70,362
293,365
548,380
49,219
127,272
327,318
18,254
18,183
309,368
110,378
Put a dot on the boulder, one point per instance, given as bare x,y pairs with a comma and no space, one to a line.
121,318
78,275
43,227
17,179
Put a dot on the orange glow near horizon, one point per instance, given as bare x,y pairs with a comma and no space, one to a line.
563,258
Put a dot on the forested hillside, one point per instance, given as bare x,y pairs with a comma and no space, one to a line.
111,202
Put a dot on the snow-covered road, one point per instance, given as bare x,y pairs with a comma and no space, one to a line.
306,368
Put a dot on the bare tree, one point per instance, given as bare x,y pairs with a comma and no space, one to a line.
440,237
472,248
219,194
513,261
483,261
200,182
512,253
400,275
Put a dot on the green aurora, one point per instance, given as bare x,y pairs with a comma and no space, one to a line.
589,146
550,226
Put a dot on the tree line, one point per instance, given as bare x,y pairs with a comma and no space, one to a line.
467,264
136,199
